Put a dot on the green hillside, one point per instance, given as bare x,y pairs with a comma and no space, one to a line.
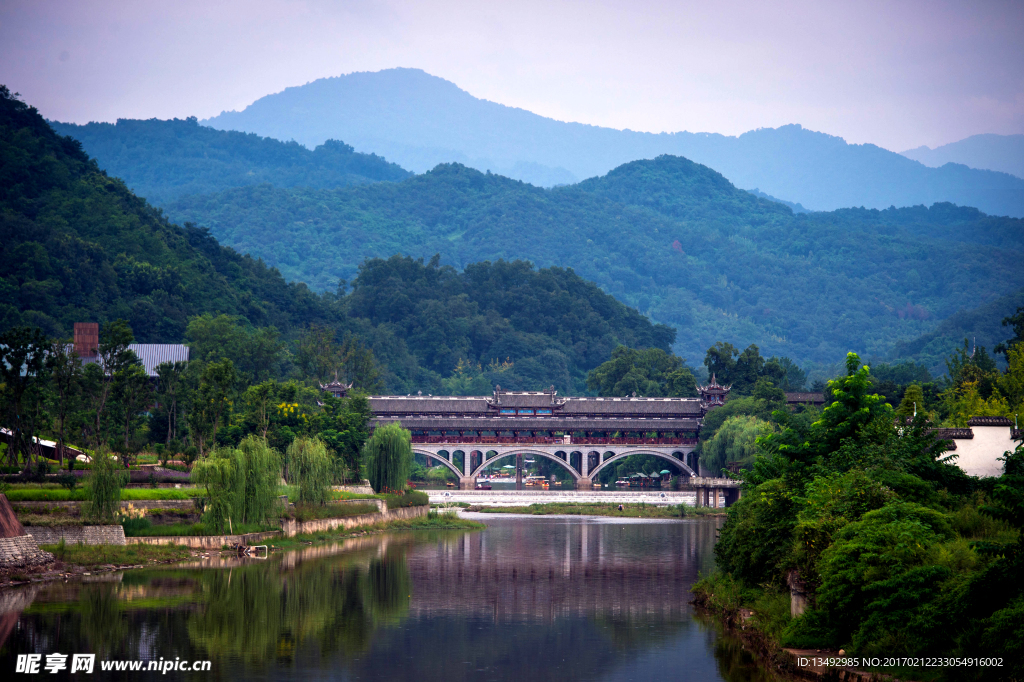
668,236
77,245
982,326
165,160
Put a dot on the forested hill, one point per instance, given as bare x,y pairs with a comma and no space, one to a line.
78,246
668,236
165,160
419,120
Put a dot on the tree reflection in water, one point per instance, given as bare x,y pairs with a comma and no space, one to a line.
255,615
543,599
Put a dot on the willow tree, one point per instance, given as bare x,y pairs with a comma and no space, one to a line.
222,473
103,487
310,467
388,457
262,465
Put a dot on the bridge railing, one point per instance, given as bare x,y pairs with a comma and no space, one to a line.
547,440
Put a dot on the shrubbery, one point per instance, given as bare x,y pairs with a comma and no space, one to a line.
899,549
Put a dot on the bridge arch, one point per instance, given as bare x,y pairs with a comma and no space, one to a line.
622,455
490,460
439,458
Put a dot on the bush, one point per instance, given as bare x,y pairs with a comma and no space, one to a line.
388,457
411,498
103,488
68,481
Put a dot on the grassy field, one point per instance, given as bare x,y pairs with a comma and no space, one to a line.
332,511
118,555
633,511
57,494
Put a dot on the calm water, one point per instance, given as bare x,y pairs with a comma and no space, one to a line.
530,598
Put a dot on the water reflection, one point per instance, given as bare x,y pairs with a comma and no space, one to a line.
527,599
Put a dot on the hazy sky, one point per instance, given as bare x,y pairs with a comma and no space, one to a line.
898,74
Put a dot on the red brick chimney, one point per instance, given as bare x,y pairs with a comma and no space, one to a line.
87,339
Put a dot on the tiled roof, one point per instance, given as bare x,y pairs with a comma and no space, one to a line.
589,407
950,434
798,397
553,423
989,421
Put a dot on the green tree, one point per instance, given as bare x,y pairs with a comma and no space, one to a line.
1016,323
211,402
222,474
388,455
310,467
262,472
131,396
735,441
169,384
103,487
24,371
66,389
114,357
650,372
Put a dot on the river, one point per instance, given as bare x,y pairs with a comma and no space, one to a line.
528,599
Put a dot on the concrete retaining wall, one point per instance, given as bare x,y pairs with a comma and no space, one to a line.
22,551
207,541
289,529
87,535
361,489
293,528
76,506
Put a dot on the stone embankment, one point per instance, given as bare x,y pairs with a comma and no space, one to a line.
289,528
73,534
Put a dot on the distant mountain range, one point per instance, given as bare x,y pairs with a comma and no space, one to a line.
670,237
166,160
1004,153
418,120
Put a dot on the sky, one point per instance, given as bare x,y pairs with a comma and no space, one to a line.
898,74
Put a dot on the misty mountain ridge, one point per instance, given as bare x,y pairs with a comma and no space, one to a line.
166,160
1004,153
418,121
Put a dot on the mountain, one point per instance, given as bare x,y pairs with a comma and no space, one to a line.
669,236
77,245
981,325
1003,153
165,160
419,121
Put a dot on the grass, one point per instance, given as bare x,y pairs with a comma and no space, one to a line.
119,555
57,494
292,491
633,511
332,511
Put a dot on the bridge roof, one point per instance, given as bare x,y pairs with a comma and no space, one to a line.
533,423
692,408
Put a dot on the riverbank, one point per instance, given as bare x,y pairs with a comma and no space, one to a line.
432,521
758,618
640,510
76,561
